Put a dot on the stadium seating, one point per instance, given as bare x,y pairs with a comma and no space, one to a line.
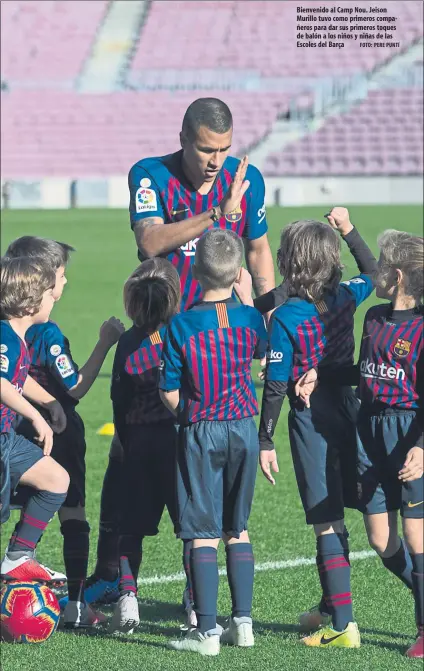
381,135
257,36
53,133
49,129
46,43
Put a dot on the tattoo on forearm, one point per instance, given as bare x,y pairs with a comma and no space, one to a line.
259,284
146,223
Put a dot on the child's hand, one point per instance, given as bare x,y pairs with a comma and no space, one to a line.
306,385
413,467
268,460
110,331
58,417
243,287
44,433
339,219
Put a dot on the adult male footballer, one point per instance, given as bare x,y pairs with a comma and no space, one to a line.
196,188
173,200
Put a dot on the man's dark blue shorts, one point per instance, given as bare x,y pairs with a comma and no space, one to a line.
384,441
216,473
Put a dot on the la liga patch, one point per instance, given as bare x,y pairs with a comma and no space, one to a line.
64,366
4,363
145,198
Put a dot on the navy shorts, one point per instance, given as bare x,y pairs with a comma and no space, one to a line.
69,451
216,473
323,446
18,456
383,442
148,477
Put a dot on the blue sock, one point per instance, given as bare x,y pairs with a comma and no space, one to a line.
344,539
187,547
334,570
205,579
400,565
418,587
127,583
240,571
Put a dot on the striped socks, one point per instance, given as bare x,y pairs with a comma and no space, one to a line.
127,583
334,572
37,514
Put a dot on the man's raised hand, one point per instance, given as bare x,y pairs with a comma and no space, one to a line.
237,188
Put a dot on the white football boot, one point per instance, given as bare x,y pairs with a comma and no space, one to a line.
204,644
125,614
239,632
79,615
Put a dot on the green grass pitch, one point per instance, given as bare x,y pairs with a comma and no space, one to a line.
105,256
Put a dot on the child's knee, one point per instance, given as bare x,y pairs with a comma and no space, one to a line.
57,479
383,542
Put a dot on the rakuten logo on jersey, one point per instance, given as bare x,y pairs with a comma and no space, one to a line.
274,356
381,371
189,249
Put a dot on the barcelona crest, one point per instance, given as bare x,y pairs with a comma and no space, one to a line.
234,215
402,347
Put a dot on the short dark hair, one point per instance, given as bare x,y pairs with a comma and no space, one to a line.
218,259
152,294
209,112
23,282
309,259
54,254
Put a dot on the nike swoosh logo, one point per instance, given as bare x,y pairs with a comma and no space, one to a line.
413,505
324,640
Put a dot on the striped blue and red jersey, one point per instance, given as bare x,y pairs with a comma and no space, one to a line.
52,365
135,377
159,188
208,354
14,367
305,335
391,360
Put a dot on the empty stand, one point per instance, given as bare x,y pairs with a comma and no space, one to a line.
381,135
55,133
258,36
45,43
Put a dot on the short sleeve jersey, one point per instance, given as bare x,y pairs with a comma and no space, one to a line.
159,188
14,367
208,354
391,359
304,335
135,377
52,365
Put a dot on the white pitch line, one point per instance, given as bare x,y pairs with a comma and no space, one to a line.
265,566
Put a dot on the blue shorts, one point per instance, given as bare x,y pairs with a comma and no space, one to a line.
383,442
69,451
18,455
148,477
323,445
216,472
